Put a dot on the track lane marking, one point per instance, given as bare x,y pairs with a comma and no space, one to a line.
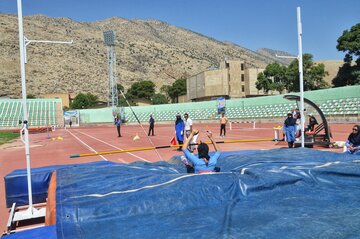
114,147
91,149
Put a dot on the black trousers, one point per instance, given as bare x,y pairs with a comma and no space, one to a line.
151,129
118,130
222,128
180,142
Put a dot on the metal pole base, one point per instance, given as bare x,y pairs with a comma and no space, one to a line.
30,213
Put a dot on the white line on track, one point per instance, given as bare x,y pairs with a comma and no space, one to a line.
86,145
114,147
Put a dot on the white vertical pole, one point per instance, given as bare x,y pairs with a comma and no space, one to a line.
25,112
300,59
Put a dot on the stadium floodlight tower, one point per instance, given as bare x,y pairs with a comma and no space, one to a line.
109,40
31,212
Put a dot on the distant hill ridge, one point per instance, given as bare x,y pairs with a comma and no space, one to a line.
146,50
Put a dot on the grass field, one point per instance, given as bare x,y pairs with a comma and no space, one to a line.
7,136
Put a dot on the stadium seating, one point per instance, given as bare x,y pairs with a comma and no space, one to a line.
342,101
345,106
331,101
41,112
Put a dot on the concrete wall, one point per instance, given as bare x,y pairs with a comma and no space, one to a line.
235,79
65,98
216,83
250,80
183,99
195,86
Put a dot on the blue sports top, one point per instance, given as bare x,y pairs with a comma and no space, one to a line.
199,164
118,122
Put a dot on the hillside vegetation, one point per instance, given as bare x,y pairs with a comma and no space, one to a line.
146,50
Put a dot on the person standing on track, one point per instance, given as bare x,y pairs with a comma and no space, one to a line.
118,124
179,130
151,125
188,129
223,121
290,129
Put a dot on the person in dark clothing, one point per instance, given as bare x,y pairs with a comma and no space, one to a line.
290,129
151,125
353,142
118,124
179,130
70,123
297,114
312,123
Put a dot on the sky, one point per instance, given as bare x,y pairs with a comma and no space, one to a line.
251,24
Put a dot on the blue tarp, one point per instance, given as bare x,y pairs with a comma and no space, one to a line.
16,188
280,193
48,232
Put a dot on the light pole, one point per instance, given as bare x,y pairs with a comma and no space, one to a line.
301,78
109,40
31,212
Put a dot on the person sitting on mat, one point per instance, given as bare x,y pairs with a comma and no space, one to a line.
201,163
353,142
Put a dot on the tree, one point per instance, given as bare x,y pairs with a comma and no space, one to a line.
159,99
313,75
165,89
121,101
347,75
178,88
120,89
84,101
276,75
141,90
263,83
93,99
349,42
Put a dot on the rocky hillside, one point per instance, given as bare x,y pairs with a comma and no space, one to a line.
146,50
271,54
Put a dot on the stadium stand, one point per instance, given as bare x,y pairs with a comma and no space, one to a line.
333,102
41,112
342,101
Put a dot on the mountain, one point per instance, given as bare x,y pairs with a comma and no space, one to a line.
145,50
271,54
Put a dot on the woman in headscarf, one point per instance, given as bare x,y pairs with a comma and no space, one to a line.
312,123
353,142
290,129
179,130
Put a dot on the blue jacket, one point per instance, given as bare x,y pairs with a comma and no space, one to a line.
179,129
199,164
117,122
